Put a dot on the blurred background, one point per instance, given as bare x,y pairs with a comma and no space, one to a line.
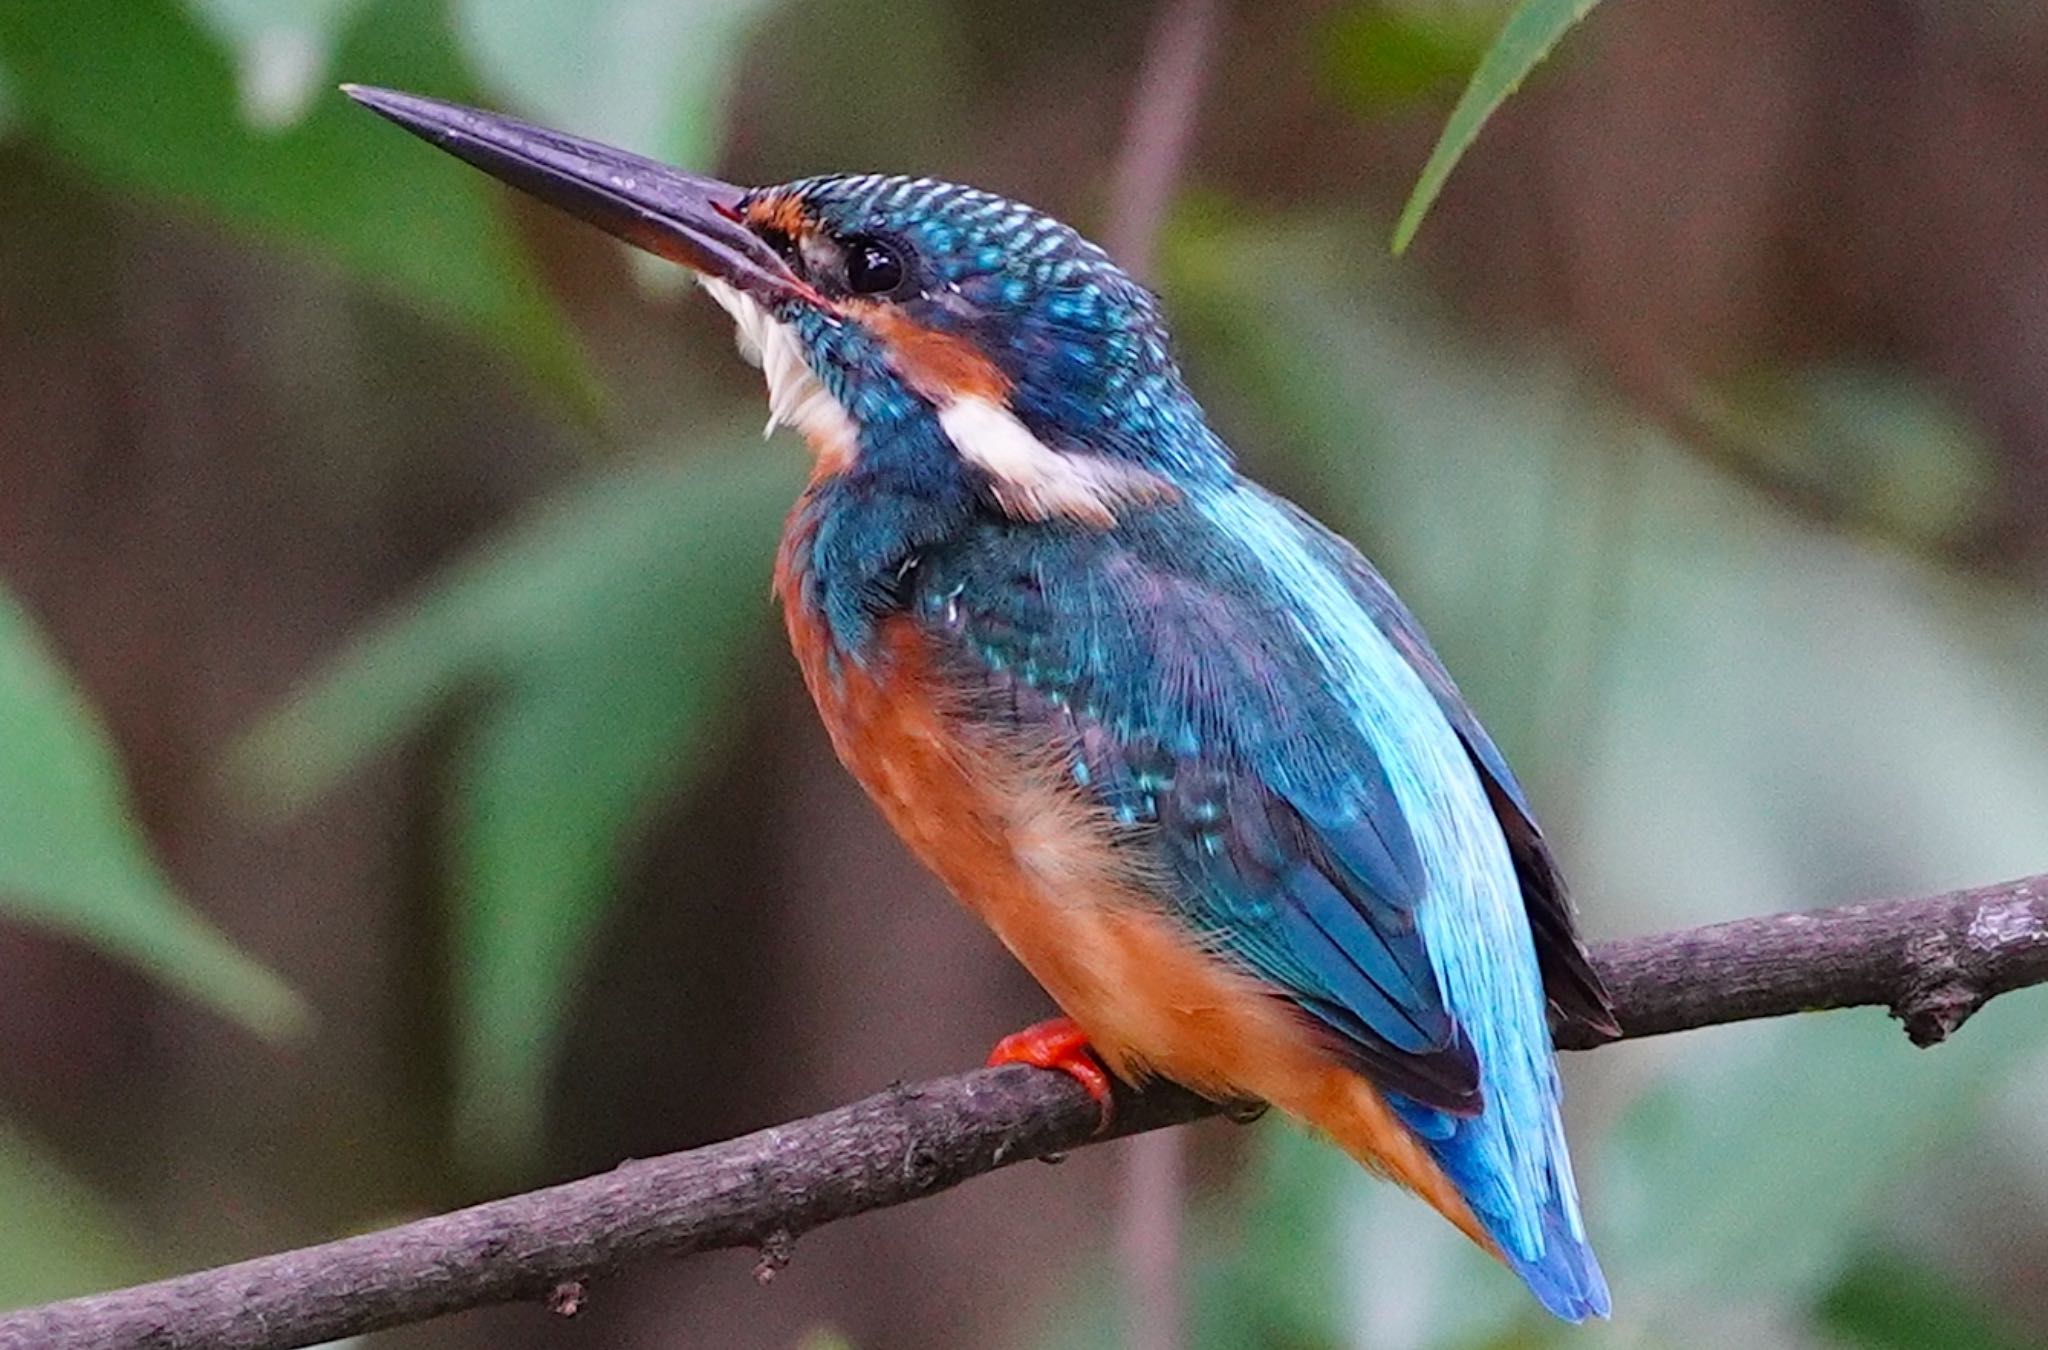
405,796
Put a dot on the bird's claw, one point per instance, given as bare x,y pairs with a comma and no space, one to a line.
1061,1045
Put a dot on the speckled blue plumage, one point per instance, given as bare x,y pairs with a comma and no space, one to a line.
1082,344
1231,683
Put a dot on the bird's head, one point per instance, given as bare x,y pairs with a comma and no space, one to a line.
878,303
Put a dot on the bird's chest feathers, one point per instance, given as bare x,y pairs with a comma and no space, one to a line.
994,821
1051,872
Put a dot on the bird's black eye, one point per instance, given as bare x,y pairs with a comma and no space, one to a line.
872,267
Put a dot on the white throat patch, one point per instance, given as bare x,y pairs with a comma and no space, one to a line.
1033,481
796,397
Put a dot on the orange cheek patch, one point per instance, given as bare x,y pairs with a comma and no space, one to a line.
939,366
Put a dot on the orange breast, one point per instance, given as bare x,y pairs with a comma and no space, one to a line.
1000,824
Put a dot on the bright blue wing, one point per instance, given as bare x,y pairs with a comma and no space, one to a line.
1573,987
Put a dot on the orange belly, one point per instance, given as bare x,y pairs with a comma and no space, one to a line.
1002,829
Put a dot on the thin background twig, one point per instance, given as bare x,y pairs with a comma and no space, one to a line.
1165,105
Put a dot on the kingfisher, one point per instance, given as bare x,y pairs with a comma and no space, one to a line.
1177,743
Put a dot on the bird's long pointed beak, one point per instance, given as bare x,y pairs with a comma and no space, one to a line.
679,216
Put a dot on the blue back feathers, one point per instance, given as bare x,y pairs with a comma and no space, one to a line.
1232,683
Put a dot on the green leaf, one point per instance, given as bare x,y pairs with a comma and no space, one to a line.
1378,57
607,635
1529,34
647,75
1885,1302
139,96
61,1239
72,860
283,51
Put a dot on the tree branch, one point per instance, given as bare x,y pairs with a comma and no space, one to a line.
1933,962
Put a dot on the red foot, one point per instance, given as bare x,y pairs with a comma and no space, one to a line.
1059,1044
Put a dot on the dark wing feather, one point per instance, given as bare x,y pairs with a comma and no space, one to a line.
1577,995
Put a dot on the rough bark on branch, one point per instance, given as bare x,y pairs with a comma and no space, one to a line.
1932,962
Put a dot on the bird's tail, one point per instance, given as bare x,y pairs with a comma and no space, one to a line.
1564,1275
1454,1163
1534,1223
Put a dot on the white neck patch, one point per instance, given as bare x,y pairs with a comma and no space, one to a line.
796,397
1033,481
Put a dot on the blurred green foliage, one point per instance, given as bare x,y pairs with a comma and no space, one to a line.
221,106
144,97
281,51
602,641
1639,630
1867,445
1378,55
72,859
60,1238
1885,1302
